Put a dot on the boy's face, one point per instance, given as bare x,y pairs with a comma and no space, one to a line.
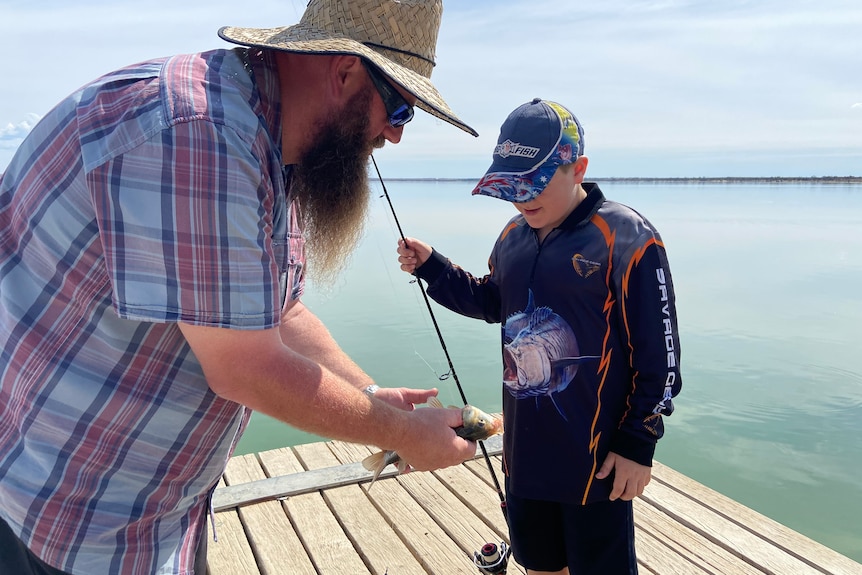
559,198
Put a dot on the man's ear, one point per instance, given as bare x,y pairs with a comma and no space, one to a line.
347,75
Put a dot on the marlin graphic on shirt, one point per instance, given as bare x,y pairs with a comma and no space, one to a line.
540,353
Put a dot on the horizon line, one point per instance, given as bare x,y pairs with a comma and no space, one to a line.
837,179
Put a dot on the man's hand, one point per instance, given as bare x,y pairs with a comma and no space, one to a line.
630,478
404,398
432,443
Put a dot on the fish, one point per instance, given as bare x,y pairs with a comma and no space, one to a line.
540,353
477,425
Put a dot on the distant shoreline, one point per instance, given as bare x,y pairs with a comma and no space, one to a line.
704,180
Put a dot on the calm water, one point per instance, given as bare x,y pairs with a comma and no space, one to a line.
768,281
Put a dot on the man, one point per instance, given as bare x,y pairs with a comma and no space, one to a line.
151,268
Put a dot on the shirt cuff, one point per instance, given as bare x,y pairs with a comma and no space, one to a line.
634,448
433,267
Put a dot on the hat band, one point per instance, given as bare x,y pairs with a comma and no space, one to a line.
405,52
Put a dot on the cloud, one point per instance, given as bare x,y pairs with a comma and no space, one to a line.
672,76
13,134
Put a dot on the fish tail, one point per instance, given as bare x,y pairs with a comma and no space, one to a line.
375,463
402,466
433,401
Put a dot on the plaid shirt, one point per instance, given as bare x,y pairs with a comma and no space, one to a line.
152,196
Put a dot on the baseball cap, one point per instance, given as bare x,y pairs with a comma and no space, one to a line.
534,141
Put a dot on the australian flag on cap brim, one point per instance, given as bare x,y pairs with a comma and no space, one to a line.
553,137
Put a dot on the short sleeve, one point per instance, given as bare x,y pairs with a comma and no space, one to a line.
186,223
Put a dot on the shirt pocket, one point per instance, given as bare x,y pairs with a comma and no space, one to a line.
295,266
289,247
280,249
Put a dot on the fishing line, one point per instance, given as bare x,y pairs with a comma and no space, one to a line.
440,338
385,261
443,377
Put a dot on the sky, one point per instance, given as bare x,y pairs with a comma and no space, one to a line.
664,88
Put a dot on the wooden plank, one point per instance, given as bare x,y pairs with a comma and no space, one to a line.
723,531
816,555
430,544
348,453
459,523
269,531
328,546
289,484
685,542
473,491
468,483
431,523
434,550
231,553
480,468
476,495
372,536
315,456
820,558
663,559
649,557
440,500
303,481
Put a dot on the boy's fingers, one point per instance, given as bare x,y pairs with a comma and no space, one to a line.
606,467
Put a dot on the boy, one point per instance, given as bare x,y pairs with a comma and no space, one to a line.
590,343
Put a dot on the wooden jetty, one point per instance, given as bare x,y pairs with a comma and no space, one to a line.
308,510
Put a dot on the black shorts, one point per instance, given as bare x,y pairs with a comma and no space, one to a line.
594,539
16,558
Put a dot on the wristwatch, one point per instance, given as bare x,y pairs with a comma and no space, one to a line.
371,389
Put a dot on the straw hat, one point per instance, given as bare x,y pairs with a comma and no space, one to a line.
399,36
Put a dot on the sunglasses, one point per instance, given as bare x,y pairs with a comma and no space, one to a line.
400,112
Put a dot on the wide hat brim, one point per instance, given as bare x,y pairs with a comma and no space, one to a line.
313,40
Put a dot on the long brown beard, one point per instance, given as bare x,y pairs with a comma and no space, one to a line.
330,183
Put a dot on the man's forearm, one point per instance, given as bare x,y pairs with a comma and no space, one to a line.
256,369
304,333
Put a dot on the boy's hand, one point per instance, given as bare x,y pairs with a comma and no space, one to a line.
412,254
630,477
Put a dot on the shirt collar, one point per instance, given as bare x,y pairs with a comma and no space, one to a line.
586,209
266,92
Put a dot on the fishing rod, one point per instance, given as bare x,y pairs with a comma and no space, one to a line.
491,558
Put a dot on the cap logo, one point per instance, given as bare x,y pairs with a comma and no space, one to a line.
510,148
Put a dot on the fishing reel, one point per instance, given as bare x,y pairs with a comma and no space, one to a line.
492,558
